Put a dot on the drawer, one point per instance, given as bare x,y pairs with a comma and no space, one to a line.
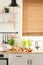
17,56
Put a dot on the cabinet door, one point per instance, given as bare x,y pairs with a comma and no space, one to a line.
19,59
36,59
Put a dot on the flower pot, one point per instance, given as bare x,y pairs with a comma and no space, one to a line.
6,10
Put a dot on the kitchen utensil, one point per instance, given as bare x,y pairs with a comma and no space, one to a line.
3,38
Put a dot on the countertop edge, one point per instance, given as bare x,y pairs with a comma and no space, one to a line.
12,52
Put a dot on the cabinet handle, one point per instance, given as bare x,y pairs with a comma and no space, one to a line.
30,62
18,56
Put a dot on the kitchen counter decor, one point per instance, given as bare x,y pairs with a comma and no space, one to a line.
27,44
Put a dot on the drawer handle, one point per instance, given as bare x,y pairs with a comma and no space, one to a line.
18,56
30,62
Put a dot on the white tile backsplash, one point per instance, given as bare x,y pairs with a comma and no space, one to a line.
34,38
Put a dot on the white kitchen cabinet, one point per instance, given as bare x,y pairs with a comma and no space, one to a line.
18,59
25,59
36,59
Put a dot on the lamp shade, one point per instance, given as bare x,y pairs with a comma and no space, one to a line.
13,3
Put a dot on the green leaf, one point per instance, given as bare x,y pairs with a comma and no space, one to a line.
11,42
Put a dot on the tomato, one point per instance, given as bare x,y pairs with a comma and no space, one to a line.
29,50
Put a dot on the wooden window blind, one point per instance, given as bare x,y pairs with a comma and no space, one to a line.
32,17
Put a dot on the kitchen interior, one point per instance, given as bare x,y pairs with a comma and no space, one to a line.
21,32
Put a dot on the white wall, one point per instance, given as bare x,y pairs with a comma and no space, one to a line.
4,3
9,27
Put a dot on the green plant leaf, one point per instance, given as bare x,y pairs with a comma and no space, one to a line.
11,42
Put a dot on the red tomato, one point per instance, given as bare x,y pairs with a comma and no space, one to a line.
29,50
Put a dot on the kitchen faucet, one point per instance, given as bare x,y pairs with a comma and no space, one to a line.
36,45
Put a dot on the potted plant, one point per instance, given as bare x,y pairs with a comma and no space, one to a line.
6,10
11,42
